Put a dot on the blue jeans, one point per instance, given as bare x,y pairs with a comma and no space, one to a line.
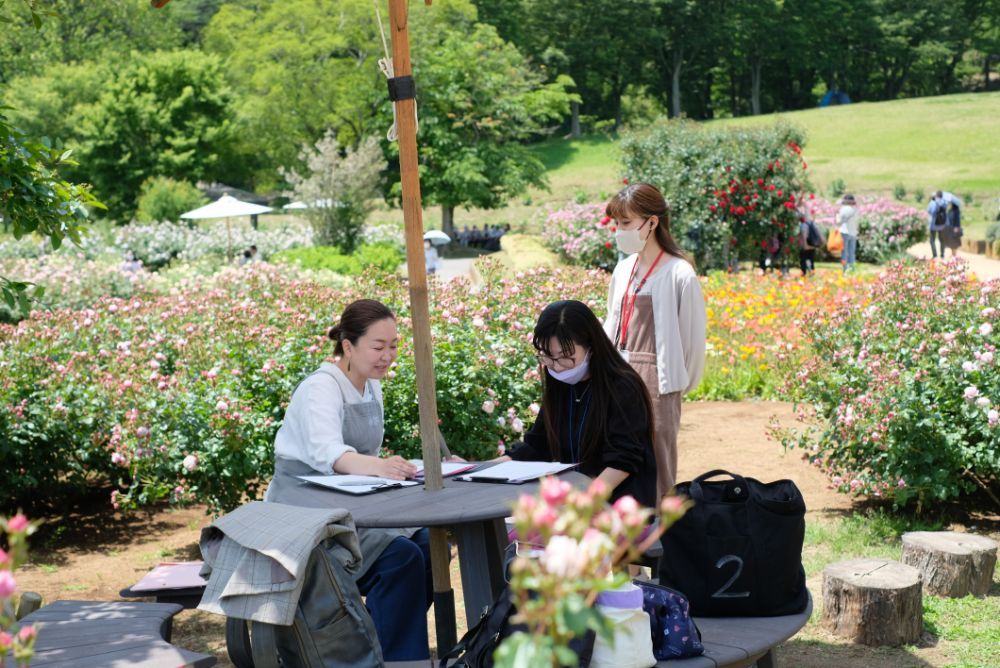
850,251
398,590
934,234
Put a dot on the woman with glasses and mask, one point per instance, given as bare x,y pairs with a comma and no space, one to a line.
334,424
595,409
656,315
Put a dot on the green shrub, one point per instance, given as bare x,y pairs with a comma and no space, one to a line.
918,195
382,256
837,188
993,232
899,191
164,200
905,383
729,188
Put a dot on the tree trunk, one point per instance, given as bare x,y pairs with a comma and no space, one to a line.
755,88
675,84
953,564
618,111
574,119
986,71
448,220
873,602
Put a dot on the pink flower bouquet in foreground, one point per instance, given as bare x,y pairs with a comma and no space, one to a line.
14,638
582,547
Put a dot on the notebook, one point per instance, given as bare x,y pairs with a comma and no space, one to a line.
516,472
356,484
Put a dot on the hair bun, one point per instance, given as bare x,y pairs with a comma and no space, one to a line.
335,332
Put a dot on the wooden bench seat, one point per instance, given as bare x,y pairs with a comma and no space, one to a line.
109,634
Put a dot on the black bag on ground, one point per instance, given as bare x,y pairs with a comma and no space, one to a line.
738,551
475,649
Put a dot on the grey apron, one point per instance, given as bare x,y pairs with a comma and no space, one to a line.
362,429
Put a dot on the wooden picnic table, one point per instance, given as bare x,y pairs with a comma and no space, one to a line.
474,511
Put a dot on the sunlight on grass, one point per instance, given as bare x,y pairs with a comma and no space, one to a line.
875,534
525,251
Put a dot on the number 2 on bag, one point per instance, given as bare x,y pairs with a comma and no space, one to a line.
722,593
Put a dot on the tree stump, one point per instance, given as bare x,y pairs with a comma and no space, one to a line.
873,602
953,564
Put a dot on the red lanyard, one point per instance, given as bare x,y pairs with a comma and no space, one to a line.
627,312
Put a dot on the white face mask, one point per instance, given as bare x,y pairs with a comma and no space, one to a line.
571,376
630,241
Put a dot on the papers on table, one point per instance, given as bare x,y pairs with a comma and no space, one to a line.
516,472
447,468
356,484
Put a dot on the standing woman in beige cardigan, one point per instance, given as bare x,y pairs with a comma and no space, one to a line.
656,315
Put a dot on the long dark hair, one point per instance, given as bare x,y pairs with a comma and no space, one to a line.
572,323
642,199
355,321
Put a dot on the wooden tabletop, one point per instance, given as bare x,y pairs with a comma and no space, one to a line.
458,502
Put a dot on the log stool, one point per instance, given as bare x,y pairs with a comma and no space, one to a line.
873,601
952,564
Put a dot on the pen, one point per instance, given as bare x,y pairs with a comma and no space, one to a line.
481,478
362,483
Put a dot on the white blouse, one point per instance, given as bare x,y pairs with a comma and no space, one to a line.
679,320
312,429
847,219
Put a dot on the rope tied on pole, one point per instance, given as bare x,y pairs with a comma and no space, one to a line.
400,88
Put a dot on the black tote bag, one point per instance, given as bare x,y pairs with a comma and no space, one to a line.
738,551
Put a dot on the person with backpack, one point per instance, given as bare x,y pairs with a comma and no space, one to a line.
335,424
809,240
951,232
937,220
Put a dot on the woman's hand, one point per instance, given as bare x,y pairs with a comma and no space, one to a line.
396,468
455,458
501,458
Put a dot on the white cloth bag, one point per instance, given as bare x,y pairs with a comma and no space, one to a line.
633,643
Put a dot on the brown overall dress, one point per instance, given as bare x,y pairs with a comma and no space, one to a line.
641,347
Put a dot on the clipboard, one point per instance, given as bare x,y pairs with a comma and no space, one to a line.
515,472
356,485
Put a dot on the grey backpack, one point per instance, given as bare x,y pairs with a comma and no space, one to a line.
332,627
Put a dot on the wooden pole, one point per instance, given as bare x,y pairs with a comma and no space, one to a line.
406,130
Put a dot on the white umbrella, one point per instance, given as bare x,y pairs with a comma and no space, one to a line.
437,237
949,198
226,207
296,205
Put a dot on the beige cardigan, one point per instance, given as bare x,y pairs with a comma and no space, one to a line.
679,320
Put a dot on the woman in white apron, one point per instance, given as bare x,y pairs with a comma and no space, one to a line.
334,424
656,315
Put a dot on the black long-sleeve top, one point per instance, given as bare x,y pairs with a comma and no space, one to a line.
627,445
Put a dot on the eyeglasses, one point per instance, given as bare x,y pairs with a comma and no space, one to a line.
565,362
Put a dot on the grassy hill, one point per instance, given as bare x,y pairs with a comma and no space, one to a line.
950,142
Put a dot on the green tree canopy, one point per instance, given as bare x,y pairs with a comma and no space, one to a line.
82,30
479,101
162,114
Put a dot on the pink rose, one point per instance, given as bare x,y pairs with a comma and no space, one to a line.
17,523
7,584
554,490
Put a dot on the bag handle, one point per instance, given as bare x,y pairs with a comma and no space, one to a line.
695,488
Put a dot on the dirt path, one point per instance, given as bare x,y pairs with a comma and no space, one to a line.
93,556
